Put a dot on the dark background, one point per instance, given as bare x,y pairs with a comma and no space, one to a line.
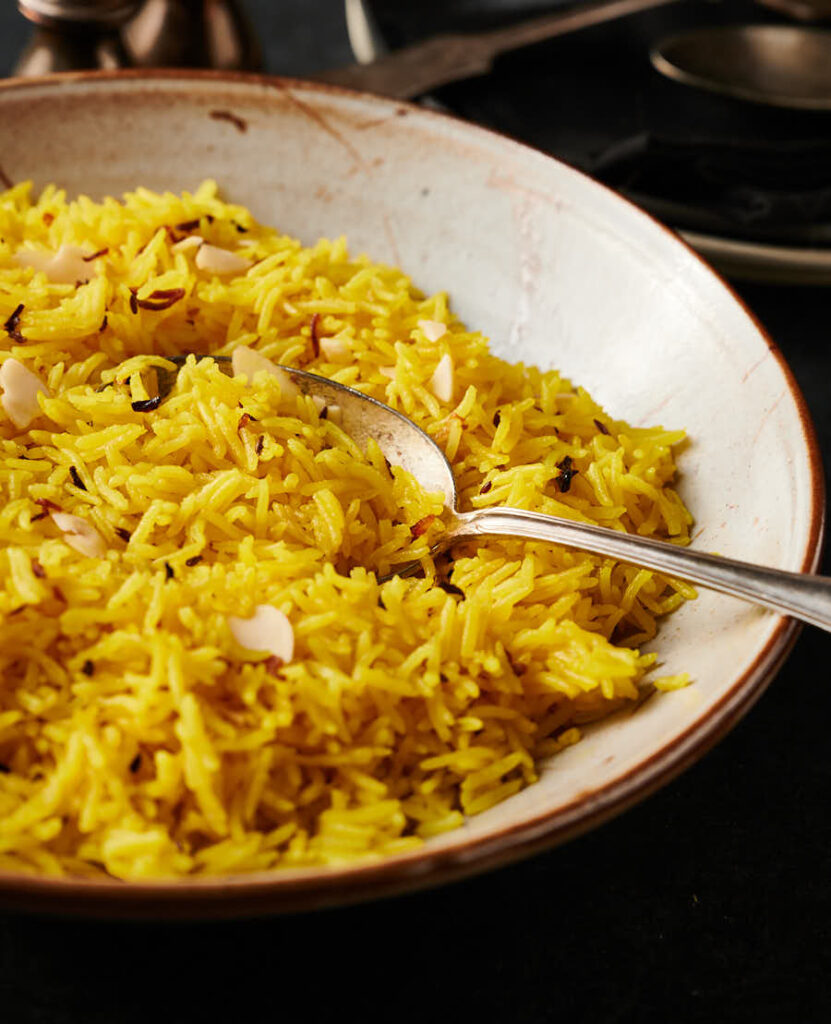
710,902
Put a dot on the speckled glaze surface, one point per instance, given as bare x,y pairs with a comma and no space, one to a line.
557,271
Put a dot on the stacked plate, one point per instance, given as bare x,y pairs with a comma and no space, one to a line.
748,185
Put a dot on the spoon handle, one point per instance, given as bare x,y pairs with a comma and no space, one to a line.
452,57
801,595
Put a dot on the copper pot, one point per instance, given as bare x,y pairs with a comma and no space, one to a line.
193,34
88,34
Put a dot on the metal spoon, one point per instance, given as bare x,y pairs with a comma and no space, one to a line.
404,444
777,65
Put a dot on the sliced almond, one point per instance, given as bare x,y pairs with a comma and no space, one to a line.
80,535
268,629
333,348
66,266
432,330
246,362
20,392
220,261
319,403
191,242
442,381
388,371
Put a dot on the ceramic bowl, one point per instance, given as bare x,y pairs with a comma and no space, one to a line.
557,271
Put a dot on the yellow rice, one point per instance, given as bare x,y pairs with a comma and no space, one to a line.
137,738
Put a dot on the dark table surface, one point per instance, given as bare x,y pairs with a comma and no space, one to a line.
709,902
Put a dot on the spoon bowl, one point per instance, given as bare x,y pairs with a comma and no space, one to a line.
776,65
364,418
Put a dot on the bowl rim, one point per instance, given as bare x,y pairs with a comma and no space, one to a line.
289,890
